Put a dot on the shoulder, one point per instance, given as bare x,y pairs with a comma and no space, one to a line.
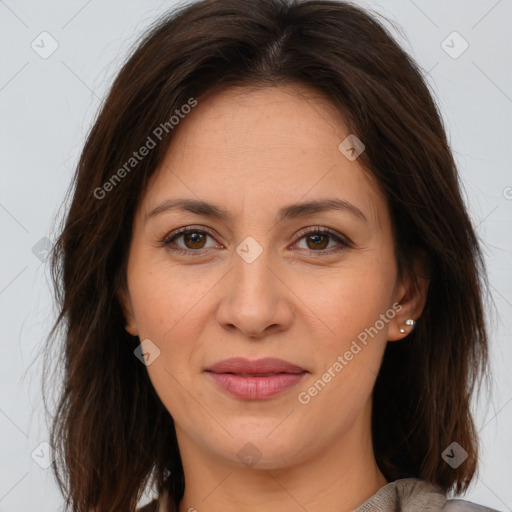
433,498
457,505
414,495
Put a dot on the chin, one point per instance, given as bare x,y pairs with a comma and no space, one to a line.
255,449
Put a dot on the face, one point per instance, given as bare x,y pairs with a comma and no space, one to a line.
255,277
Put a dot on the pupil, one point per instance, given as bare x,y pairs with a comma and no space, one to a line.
316,240
194,238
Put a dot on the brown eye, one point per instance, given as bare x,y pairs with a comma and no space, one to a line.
194,241
317,241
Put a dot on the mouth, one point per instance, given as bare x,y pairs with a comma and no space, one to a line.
255,380
258,367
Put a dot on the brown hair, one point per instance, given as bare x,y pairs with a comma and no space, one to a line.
110,429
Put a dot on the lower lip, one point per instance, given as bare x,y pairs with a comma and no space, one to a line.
256,388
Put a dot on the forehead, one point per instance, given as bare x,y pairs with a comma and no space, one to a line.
257,118
269,145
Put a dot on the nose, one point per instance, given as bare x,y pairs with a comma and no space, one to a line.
255,300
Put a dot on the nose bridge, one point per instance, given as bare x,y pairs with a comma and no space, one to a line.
250,301
252,261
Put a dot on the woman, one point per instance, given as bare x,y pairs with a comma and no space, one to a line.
270,288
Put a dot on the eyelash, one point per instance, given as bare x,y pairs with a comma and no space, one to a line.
198,252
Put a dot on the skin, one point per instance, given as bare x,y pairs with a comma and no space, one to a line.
252,151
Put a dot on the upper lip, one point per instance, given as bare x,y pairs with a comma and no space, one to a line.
268,365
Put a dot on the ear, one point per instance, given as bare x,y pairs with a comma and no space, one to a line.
411,295
123,296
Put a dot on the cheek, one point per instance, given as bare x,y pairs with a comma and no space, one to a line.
163,295
353,305
347,299
168,305
166,317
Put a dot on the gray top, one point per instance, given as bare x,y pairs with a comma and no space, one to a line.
404,495
415,495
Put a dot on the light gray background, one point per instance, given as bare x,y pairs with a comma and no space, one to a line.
47,107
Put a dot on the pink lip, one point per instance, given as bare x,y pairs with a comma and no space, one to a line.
251,380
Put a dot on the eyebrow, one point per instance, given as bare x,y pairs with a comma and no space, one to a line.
290,211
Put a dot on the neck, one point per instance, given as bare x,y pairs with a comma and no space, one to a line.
340,478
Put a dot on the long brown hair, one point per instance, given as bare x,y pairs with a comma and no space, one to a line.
112,433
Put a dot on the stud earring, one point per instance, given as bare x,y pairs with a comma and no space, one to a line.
410,322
